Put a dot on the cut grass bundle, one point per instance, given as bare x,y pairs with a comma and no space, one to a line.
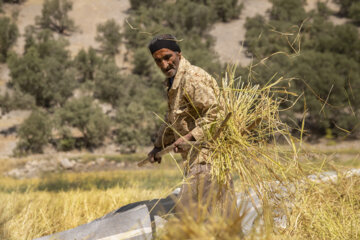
247,146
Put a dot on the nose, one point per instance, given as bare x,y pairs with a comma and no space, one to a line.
164,64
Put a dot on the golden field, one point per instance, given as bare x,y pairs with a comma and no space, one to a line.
39,206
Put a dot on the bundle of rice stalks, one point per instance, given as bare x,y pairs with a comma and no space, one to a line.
247,146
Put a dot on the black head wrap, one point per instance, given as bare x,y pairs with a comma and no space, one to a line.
164,41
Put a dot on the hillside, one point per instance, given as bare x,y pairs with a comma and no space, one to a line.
229,38
87,15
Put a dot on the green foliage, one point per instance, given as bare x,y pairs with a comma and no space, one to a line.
44,71
331,83
132,130
34,133
111,86
54,16
323,10
87,63
262,41
226,10
325,37
326,70
144,66
345,6
46,44
109,37
200,53
182,15
16,100
354,12
8,35
288,11
135,4
67,141
84,115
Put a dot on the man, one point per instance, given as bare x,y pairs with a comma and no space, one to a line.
192,107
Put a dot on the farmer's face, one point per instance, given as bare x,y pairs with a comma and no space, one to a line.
168,61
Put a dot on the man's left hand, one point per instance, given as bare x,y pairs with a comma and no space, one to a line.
182,140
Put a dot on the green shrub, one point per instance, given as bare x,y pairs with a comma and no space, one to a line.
134,126
86,63
45,71
16,100
34,133
135,4
54,16
109,37
345,6
8,35
288,11
67,141
110,85
354,12
226,10
182,15
84,115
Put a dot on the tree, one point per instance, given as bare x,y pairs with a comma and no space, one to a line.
16,99
8,35
34,133
111,86
109,37
84,115
45,71
135,4
326,71
226,10
86,63
132,126
183,15
345,6
331,83
354,12
288,10
54,16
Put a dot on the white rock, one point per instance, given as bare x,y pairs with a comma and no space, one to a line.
66,163
100,160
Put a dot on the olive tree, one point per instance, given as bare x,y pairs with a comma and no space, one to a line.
54,16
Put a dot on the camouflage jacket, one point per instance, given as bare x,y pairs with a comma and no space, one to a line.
192,104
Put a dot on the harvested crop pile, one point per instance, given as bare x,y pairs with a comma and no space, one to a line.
247,145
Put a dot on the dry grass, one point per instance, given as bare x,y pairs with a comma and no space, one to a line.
326,211
35,207
34,214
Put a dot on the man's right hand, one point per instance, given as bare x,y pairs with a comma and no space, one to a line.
152,155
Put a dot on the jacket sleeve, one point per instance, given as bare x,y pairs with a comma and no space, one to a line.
202,93
165,135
